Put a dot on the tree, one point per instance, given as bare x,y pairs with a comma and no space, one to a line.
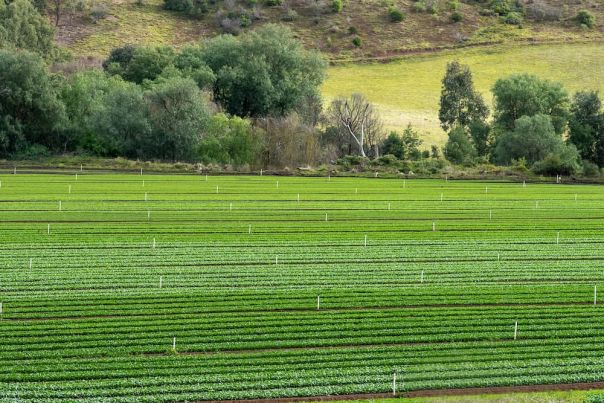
586,124
190,62
480,133
30,109
139,64
230,140
356,120
405,146
459,149
262,72
460,104
178,115
532,139
527,95
22,27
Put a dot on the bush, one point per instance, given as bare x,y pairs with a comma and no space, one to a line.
420,6
454,5
513,18
564,162
456,16
459,149
395,14
353,30
272,3
193,8
289,15
590,169
585,18
357,41
337,5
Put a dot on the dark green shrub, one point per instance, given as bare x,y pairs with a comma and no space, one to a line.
357,41
513,18
272,3
456,16
395,14
353,30
337,5
585,18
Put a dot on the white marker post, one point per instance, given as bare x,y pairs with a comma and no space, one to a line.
161,281
329,177
60,206
148,215
298,197
143,183
537,204
441,197
318,302
76,176
421,279
206,177
260,171
48,229
1,310
30,263
394,384
365,240
216,189
490,214
276,260
153,243
575,197
498,257
174,343
145,196
277,184
15,171
404,183
523,184
356,191
325,217
376,174
486,189
515,330
230,206
69,191
433,226
81,168
141,171
595,295
558,238
0,184
388,206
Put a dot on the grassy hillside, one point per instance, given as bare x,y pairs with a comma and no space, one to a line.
146,21
408,90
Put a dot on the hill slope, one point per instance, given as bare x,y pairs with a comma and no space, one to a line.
313,21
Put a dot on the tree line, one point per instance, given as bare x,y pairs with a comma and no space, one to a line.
254,100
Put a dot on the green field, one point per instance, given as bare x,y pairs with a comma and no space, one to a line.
408,90
101,274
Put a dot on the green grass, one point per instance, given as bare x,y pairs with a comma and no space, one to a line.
408,90
98,274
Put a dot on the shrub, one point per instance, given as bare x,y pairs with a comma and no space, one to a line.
459,149
353,30
564,162
590,169
193,8
272,3
357,41
454,5
395,14
289,15
456,16
585,18
513,18
420,6
433,7
337,5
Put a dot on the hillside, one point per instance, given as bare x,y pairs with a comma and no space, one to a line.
147,22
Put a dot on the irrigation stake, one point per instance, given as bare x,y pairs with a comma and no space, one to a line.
230,206
276,259
558,238
365,240
318,302
329,177
388,206
595,295
404,183
30,263
60,206
523,184
216,189
298,197
141,171
325,217
15,171
48,229
441,197
575,194
174,343
249,229
153,243
76,176
486,189
356,190
1,308
537,204
148,215
206,177
0,184
433,226
498,257
394,384
143,183
515,330
260,171
277,184
376,174
161,281
145,196
81,168
422,277
490,214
